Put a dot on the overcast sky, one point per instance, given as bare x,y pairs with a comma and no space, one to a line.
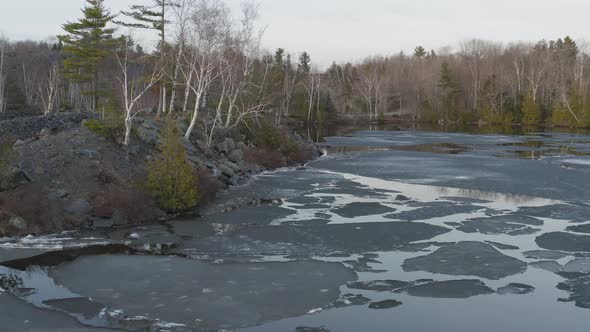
347,30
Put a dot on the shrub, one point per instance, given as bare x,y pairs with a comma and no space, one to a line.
209,186
32,204
266,157
268,135
135,206
99,127
171,180
302,155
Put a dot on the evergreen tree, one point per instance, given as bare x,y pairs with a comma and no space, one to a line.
279,58
420,52
87,44
449,89
172,181
305,63
531,112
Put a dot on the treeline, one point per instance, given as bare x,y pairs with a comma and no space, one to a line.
543,83
208,67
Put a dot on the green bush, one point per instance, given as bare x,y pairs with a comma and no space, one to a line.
99,127
171,180
268,135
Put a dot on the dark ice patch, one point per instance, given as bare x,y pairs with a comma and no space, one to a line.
580,228
581,265
516,289
258,215
311,329
545,254
378,285
304,200
77,306
575,213
551,266
348,300
224,296
579,288
436,211
467,258
502,246
386,304
506,224
313,240
453,289
353,210
564,241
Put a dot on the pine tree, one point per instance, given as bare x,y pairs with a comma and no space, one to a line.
305,63
420,52
87,44
172,181
531,112
450,89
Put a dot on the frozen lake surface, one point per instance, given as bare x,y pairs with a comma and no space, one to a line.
391,230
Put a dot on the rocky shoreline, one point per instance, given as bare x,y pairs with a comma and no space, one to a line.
67,177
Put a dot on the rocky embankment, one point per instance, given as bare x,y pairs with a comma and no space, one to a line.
64,176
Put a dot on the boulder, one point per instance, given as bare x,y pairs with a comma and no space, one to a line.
233,166
18,223
79,207
236,156
90,154
227,171
242,146
11,225
57,194
226,146
148,132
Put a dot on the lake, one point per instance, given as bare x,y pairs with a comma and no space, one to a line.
390,230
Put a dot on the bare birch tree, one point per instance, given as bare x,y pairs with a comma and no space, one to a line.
134,84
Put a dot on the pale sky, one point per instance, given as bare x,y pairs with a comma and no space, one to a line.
348,30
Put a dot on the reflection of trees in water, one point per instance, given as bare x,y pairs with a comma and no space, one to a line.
485,195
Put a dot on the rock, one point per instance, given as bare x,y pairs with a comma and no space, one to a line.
227,171
57,194
18,223
19,143
242,146
226,146
234,180
44,132
79,207
90,154
103,223
148,132
233,166
387,304
236,156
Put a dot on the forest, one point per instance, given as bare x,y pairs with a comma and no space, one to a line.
210,68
